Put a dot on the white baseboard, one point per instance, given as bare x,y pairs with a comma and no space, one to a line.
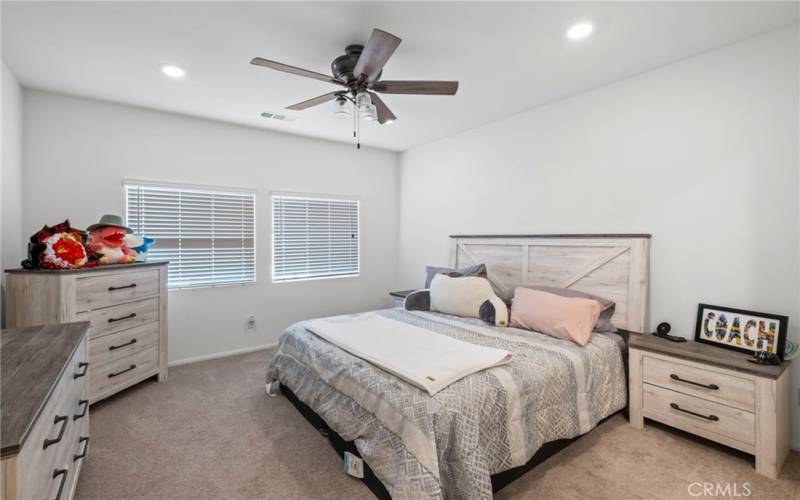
217,355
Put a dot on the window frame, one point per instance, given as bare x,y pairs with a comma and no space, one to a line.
312,196
202,188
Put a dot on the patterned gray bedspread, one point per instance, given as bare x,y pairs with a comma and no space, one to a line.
448,445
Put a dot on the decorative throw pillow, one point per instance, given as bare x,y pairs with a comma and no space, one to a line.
431,271
460,296
419,300
493,311
569,318
609,306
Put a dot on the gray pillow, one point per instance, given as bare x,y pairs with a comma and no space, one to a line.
419,300
431,271
603,322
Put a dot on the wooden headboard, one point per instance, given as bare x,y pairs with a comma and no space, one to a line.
613,266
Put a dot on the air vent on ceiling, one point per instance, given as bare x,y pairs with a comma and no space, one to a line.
278,116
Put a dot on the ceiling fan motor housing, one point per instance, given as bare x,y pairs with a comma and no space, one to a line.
342,67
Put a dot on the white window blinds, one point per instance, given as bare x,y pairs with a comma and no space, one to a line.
314,237
207,235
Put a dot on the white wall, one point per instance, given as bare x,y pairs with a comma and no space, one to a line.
12,244
702,153
77,151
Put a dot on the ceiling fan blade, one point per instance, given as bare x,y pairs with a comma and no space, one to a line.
258,61
313,102
379,48
384,113
415,87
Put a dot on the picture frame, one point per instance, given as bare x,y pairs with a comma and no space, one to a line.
741,330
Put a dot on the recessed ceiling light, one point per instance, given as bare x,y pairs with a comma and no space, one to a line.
173,71
580,30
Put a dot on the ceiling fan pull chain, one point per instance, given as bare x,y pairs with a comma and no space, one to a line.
358,127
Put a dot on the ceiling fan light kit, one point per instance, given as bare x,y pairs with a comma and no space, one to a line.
359,71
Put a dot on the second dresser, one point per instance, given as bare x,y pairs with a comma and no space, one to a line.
126,306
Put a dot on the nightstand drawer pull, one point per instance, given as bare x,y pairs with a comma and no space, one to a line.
59,418
113,288
85,404
112,375
63,474
712,418
115,347
713,387
85,441
114,320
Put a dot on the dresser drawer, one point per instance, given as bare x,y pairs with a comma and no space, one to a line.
95,292
697,380
115,376
715,421
117,318
115,346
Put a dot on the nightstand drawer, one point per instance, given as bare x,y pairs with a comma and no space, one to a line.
697,380
715,421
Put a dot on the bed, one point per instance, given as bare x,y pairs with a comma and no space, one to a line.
488,428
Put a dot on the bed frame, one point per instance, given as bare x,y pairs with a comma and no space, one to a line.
615,266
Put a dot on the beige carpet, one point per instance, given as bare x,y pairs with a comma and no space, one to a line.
210,433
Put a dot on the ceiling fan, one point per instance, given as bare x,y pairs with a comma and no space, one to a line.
359,71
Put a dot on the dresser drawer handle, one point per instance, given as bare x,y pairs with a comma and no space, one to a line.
111,375
131,315
63,474
59,418
85,404
85,367
115,347
712,418
85,441
113,288
713,387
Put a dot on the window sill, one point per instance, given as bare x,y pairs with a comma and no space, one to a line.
204,287
315,278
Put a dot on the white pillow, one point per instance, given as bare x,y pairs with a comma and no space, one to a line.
461,296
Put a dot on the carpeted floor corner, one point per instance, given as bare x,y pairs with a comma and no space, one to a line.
209,432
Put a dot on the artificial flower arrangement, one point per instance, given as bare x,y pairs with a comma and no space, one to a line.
108,242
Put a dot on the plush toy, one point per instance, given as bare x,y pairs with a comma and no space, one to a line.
56,247
107,241
140,245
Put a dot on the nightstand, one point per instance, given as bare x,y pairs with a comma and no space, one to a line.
399,297
714,393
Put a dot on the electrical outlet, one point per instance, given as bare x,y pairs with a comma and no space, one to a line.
251,322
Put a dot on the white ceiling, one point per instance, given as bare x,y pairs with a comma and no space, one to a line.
509,57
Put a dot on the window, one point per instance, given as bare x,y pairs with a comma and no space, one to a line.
206,234
314,237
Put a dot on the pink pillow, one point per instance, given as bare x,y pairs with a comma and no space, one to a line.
569,318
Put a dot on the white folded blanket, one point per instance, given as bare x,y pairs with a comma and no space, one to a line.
421,357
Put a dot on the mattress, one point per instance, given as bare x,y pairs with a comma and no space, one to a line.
448,445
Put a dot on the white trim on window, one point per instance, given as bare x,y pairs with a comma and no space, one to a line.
314,236
207,233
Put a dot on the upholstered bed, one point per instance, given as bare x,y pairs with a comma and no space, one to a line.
456,443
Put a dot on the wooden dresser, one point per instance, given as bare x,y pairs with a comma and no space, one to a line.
714,393
126,306
44,412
